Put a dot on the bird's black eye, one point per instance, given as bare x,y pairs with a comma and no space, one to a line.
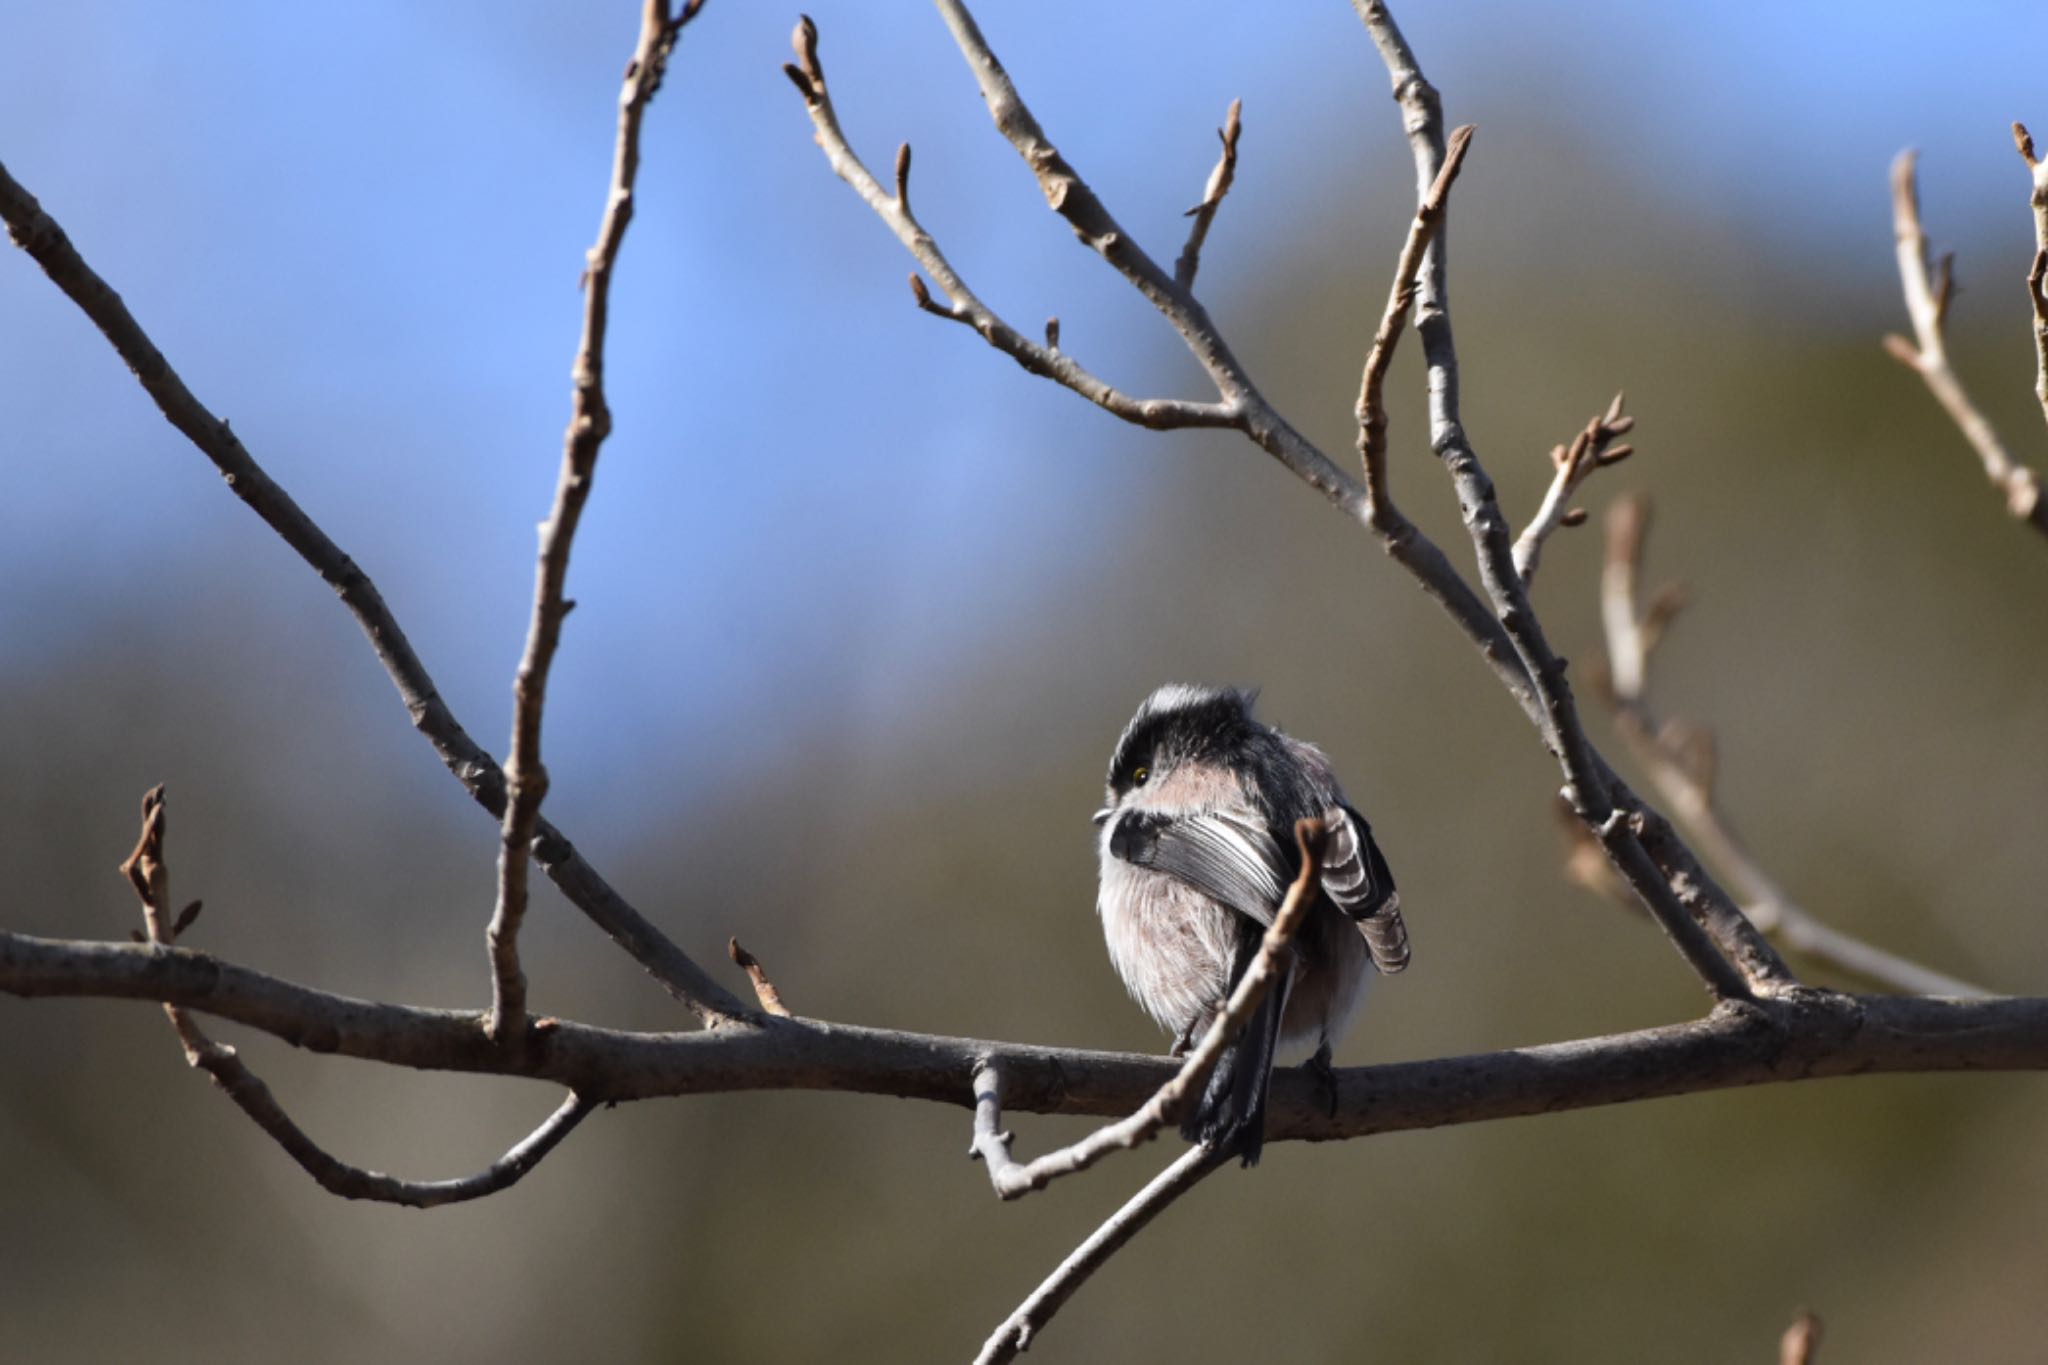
1139,777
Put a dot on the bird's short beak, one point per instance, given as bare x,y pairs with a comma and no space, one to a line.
1102,814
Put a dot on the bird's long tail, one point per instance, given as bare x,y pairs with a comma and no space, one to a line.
1231,1117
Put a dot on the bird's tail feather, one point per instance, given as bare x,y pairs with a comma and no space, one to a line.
1231,1117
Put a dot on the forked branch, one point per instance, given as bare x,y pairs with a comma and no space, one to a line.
1593,448
590,421
962,304
1701,923
38,234
1929,288
148,871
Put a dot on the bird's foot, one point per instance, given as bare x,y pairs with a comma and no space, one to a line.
1325,1076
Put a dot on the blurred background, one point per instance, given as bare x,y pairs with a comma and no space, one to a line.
851,577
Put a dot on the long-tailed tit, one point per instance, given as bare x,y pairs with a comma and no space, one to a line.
1197,849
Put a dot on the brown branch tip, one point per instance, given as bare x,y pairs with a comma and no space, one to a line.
1801,1343
764,989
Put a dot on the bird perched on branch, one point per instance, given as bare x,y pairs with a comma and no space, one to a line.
1197,852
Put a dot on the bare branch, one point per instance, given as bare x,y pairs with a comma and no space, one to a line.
1589,783
962,304
1204,213
764,989
1927,296
1070,197
337,1177
2037,273
1504,632
148,872
1020,1327
1380,512
1679,760
1591,449
1243,407
42,238
590,421
1168,1104
1799,1035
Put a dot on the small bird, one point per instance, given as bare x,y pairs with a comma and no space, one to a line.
1197,852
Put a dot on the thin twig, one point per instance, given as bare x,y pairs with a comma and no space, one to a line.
764,989
1371,411
1680,761
1204,213
1012,1178
353,1182
1928,292
1589,782
147,870
962,304
590,421
2037,273
1801,1343
37,233
1017,1330
1593,448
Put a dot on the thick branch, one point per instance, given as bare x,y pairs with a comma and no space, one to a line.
590,421
38,234
1012,1178
1016,1333
1587,784
1800,1035
1679,759
1928,291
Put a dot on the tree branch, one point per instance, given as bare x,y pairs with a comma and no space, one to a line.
1680,761
42,238
1243,406
1204,213
590,421
1380,513
962,304
1928,291
1012,1178
148,871
1017,1330
1588,780
1665,880
1591,449
2037,273
1796,1036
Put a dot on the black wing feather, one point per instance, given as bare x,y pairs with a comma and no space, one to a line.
1357,879
1227,858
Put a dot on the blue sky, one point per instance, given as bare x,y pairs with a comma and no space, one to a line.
357,231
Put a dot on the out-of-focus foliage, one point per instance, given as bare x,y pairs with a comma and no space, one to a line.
853,586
